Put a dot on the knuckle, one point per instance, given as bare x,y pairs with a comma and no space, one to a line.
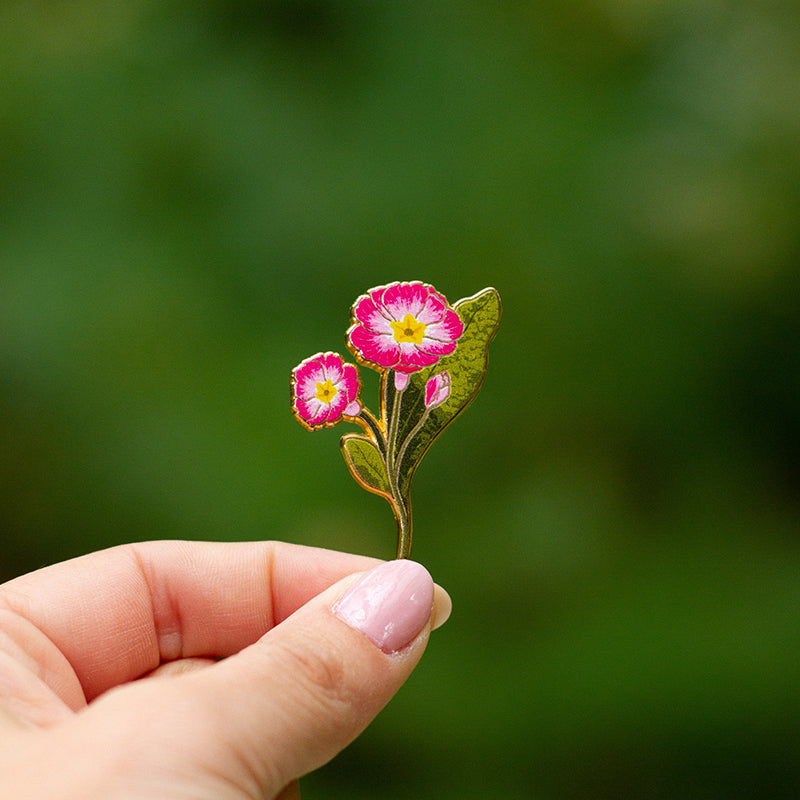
321,671
321,674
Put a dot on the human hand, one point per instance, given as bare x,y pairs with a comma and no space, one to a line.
178,670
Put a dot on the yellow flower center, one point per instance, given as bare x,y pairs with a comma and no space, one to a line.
408,330
326,392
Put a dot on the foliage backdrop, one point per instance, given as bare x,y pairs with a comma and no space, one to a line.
193,194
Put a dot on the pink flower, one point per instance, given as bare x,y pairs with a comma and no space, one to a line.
404,327
437,389
324,389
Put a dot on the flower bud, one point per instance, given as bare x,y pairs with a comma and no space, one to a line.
437,389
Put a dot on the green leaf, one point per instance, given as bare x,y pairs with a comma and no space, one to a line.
467,367
365,462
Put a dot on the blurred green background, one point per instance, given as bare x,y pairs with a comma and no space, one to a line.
193,194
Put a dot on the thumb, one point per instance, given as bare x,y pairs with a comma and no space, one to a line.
307,688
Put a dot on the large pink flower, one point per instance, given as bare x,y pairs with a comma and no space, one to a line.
403,326
323,389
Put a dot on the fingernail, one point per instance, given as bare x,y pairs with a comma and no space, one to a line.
442,606
390,604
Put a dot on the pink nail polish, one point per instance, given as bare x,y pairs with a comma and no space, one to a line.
389,604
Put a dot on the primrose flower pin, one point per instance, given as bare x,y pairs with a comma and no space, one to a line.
431,358
324,389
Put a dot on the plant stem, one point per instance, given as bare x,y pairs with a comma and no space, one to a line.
412,433
372,428
401,513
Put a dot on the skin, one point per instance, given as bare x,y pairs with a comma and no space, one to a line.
186,671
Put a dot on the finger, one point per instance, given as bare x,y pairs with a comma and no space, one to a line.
290,792
292,701
180,667
119,613
34,678
253,723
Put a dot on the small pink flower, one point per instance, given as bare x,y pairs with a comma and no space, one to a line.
404,327
324,389
437,389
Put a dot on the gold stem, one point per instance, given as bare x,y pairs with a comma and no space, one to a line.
401,513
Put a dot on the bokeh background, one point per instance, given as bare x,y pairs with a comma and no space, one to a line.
193,194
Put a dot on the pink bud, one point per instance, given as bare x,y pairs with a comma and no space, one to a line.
353,410
437,390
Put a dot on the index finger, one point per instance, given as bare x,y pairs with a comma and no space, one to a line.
119,613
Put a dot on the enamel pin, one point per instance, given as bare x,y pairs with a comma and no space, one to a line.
432,359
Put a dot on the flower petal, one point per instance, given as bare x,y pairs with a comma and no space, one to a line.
449,329
349,382
371,314
306,375
413,358
335,408
332,366
313,412
434,309
400,299
435,348
379,349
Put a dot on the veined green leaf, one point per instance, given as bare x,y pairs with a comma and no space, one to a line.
467,367
365,463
